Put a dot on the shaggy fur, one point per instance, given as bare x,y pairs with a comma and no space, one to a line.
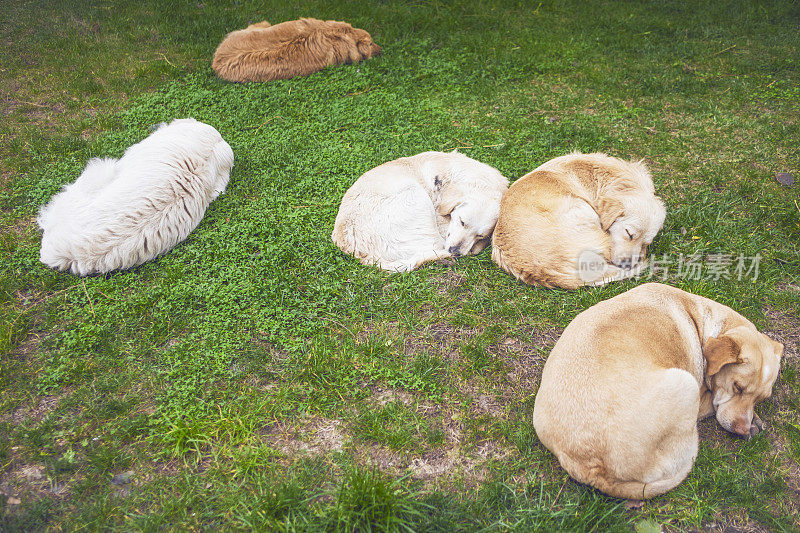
262,52
121,213
579,219
625,385
412,210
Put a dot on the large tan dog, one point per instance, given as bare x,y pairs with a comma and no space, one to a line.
579,219
625,384
412,210
262,52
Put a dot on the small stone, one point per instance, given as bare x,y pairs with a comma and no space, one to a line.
123,478
784,178
32,472
13,500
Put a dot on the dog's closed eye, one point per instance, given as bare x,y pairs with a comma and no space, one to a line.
630,235
463,224
738,389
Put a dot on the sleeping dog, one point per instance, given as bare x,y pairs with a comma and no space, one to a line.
432,206
122,212
626,383
262,52
579,219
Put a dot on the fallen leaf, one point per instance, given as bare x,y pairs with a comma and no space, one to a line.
647,526
784,178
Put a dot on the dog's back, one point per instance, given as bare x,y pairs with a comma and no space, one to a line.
619,393
546,221
384,204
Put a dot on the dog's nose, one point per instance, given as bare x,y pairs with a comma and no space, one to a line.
454,251
745,428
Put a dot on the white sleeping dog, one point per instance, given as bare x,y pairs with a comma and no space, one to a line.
122,213
412,210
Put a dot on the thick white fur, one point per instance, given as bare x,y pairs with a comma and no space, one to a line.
412,210
624,386
122,213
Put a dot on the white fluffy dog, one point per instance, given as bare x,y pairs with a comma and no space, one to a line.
412,210
122,213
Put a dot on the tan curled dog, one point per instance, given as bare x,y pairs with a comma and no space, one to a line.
262,52
625,384
579,219
428,207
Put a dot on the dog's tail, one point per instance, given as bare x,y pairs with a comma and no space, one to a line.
596,475
536,275
98,173
615,273
412,263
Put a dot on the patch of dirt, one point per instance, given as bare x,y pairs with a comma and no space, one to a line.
710,431
311,436
29,345
23,227
382,396
381,457
436,466
5,176
448,281
30,298
785,328
525,355
439,338
471,467
38,409
23,481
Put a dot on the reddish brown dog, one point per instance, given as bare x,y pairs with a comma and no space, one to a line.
262,52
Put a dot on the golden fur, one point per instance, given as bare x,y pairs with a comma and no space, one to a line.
262,52
624,386
579,219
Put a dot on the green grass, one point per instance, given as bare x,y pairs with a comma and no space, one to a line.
257,378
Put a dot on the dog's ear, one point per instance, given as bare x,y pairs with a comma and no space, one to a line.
609,210
448,201
720,351
778,348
